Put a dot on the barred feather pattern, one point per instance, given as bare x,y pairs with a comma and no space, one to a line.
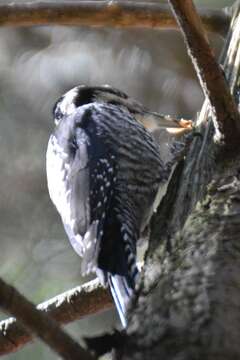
104,172
141,170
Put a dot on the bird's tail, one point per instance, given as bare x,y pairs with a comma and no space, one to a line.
117,261
122,294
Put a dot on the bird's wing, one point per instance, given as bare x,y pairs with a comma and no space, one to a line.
81,173
101,186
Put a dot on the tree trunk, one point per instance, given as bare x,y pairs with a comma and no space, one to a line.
188,305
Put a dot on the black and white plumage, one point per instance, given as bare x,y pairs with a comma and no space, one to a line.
104,172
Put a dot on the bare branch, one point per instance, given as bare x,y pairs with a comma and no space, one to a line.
40,324
103,14
71,305
225,113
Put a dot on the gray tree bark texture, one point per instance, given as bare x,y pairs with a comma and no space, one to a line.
188,305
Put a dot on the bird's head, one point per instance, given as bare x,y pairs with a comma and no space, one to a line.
82,95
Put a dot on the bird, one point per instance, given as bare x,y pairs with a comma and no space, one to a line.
105,175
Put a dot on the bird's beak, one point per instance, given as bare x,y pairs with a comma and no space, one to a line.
153,121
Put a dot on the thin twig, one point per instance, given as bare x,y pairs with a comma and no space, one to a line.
40,323
224,110
103,14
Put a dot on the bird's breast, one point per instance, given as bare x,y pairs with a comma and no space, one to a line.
68,183
58,169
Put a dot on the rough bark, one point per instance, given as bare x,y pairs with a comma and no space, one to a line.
188,305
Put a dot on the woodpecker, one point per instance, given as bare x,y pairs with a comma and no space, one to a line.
105,174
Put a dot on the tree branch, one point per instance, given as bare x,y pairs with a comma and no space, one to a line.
103,14
224,110
71,305
39,323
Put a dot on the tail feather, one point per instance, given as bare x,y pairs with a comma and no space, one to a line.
122,294
117,260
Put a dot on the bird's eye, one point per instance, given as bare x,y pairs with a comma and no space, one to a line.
58,114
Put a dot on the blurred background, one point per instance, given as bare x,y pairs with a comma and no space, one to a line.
37,65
